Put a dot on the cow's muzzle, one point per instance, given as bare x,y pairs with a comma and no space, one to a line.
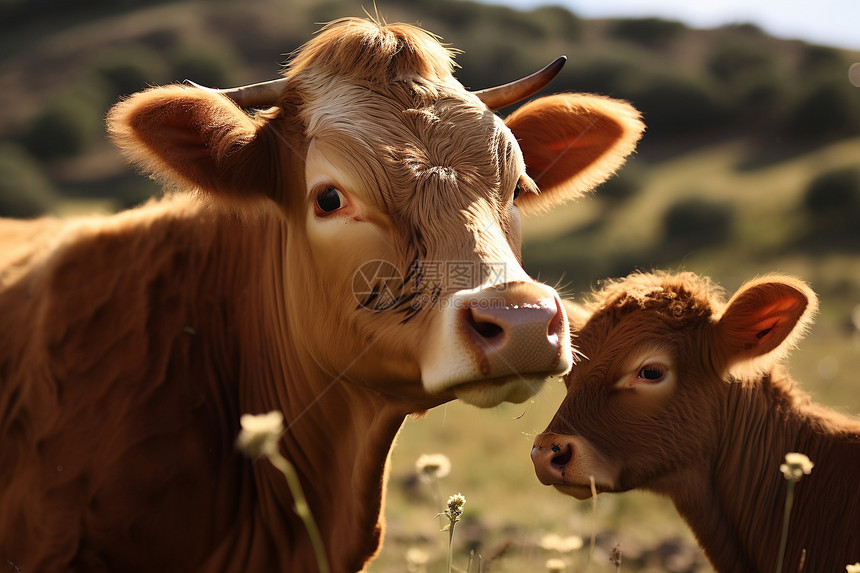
497,343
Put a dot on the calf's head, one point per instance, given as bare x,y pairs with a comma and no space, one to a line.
659,352
400,195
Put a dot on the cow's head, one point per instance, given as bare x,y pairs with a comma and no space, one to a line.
649,401
400,192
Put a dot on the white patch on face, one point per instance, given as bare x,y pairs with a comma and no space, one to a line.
510,366
332,108
320,170
342,241
516,389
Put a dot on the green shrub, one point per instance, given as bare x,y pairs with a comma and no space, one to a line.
609,75
456,14
834,195
559,22
751,79
819,60
24,190
735,61
697,222
828,109
674,105
518,25
745,28
832,205
211,65
622,186
329,10
130,70
648,32
68,124
134,191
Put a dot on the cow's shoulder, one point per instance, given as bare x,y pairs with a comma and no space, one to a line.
114,403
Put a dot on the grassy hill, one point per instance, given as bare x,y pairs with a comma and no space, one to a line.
750,165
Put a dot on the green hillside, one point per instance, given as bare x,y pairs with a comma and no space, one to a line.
62,65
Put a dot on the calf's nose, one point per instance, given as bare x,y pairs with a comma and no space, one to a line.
551,454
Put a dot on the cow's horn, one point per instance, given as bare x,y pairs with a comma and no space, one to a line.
263,94
266,94
504,95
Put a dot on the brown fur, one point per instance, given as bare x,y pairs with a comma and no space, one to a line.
709,441
130,345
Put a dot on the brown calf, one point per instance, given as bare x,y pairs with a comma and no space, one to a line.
683,395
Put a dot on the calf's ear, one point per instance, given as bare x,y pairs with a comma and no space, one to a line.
189,137
571,143
763,321
577,315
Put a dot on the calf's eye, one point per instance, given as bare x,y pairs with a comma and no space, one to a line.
651,373
330,199
517,191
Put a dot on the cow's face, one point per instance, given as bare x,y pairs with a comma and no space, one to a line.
412,209
401,201
648,403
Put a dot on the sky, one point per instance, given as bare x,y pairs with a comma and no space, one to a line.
826,22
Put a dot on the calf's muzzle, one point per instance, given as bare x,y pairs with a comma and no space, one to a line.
551,455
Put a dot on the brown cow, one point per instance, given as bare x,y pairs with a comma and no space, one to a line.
683,395
348,254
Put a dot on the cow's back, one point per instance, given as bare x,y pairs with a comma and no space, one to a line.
115,398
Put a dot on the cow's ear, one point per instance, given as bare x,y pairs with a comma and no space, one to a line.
187,136
763,321
571,143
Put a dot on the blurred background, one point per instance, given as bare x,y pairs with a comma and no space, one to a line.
750,165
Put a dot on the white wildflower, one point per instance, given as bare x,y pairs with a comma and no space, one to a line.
431,467
455,507
416,560
555,542
260,433
796,466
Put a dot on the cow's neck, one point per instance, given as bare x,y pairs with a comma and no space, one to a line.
737,515
338,434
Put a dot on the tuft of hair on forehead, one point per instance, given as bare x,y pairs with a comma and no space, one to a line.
364,50
682,296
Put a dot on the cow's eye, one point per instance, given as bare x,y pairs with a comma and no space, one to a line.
330,199
517,191
651,373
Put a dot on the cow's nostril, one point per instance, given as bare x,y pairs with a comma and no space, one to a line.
556,324
484,328
563,457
